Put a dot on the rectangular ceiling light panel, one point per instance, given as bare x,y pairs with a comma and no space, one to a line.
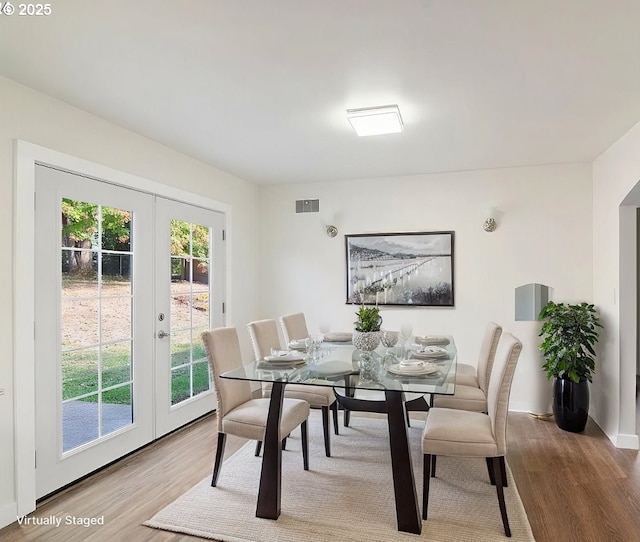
376,120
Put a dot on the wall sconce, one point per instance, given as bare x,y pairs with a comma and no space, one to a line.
331,230
490,223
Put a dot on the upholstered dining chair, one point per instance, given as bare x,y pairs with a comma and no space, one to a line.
294,327
238,413
264,337
472,382
462,433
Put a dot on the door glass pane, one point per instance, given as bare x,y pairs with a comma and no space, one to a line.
200,377
77,284
79,422
79,325
116,364
116,278
96,321
190,308
200,311
116,317
116,229
79,373
116,409
180,348
180,384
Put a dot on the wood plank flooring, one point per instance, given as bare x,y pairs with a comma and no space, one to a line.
575,487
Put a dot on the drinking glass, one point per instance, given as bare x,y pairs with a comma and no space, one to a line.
314,346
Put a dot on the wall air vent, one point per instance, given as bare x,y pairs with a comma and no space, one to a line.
307,206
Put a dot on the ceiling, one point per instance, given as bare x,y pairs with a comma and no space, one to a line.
259,88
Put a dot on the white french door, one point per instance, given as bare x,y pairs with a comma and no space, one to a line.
189,300
116,269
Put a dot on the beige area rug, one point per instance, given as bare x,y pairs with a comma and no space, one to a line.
348,496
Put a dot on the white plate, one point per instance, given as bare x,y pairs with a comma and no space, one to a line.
428,349
425,369
411,363
430,353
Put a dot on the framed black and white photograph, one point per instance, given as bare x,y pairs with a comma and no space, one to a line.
413,269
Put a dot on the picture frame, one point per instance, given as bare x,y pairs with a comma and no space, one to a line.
411,269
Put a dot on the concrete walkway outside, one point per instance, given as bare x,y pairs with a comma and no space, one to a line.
80,421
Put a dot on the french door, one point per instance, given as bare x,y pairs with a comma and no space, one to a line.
125,283
189,300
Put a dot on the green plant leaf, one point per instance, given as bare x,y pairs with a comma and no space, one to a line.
569,334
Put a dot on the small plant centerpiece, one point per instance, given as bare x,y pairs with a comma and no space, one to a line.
366,335
569,334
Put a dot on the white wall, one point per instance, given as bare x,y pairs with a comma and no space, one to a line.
544,236
34,117
615,179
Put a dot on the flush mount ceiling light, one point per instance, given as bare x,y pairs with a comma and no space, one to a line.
376,120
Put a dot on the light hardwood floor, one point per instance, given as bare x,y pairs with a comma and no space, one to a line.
575,487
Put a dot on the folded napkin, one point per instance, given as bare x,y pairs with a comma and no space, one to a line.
298,344
432,339
338,336
284,356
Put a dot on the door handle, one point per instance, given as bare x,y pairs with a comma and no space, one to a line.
162,334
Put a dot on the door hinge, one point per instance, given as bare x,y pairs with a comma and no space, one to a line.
223,308
35,459
224,235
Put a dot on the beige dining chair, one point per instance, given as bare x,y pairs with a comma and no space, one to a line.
294,327
463,433
264,337
238,413
471,388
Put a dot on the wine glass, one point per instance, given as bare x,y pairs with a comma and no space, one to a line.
389,339
405,330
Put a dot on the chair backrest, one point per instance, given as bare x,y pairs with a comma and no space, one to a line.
500,387
294,327
264,337
488,350
223,351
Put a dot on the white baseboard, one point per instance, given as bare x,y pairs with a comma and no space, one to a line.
628,442
8,514
518,406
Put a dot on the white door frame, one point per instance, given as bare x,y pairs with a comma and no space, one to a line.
26,155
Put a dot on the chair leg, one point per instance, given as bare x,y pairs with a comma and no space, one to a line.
222,439
425,484
503,471
334,409
406,413
503,509
284,443
258,447
305,445
433,467
325,430
492,477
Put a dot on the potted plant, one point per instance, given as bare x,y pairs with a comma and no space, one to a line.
366,335
569,334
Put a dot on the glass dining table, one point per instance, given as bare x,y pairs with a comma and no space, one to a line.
386,392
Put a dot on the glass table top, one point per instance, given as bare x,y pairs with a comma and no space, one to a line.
340,362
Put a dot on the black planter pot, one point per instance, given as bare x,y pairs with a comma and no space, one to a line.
571,404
